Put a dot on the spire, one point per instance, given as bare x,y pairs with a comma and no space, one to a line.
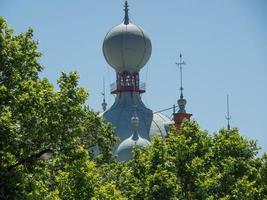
126,11
181,115
228,117
181,101
135,125
104,104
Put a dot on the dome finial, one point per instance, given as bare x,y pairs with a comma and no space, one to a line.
135,124
126,10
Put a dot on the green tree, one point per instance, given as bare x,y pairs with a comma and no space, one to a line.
192,164
36,120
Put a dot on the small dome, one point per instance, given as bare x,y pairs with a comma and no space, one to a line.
127,47
124,150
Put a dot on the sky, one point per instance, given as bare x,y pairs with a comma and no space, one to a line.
224,44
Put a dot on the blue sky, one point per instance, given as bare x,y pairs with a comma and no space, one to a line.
224,44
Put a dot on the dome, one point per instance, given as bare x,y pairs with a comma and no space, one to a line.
124,150
160,125
127,47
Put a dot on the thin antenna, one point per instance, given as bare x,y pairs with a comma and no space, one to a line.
180,65
104,104
228,117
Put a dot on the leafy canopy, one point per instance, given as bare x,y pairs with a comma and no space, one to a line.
36,120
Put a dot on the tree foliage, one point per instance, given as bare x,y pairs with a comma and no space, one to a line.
37,121
191,164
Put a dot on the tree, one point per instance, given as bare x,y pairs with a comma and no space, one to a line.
191,164
36,120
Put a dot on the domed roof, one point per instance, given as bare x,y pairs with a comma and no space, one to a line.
127,47
160,125
124,150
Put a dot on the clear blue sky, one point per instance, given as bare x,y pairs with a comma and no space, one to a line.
224,44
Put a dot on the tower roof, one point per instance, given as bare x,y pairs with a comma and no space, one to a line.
126,46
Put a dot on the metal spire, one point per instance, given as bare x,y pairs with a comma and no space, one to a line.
126,10
181,102
180,65
228,117
104,104
135,124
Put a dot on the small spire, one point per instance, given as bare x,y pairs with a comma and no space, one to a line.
181,101
104,104
135,125
228,117
126,10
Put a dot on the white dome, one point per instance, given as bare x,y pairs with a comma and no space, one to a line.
124,150
160,125
127,47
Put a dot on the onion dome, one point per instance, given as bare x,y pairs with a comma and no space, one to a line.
127,47
124,150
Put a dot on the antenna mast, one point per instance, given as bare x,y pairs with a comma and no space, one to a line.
228,117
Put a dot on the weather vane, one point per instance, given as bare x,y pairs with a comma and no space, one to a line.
228,117
180,64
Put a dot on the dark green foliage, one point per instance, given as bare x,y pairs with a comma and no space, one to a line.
34,119
191,164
